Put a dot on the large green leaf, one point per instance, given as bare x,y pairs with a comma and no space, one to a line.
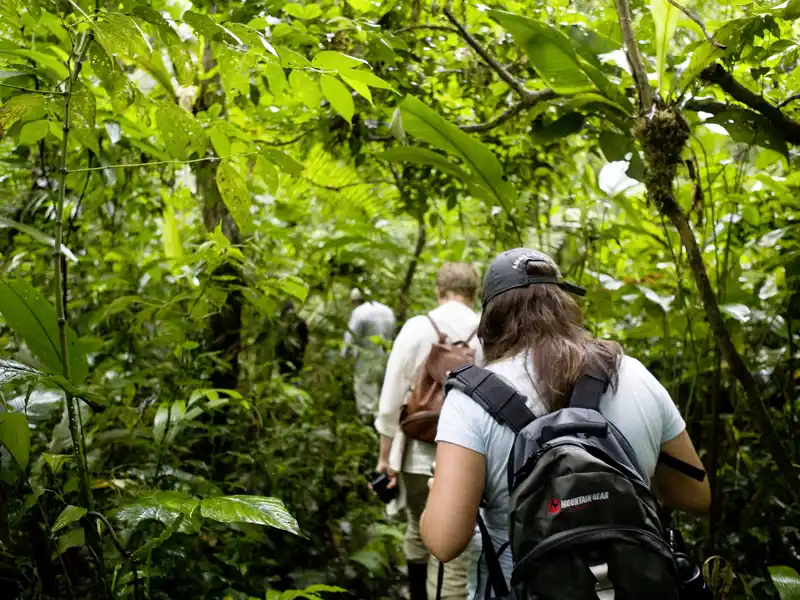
164,507
424,123
665,18
33,131
747,127
339,96
16,108
551,53
69,515
307,88
249,509
336,61
786,581
118,33
16,436
36,235
422,156
170,233
11,369
286,163
235,194
33,318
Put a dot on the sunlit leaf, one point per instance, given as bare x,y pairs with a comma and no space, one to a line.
339,96
665,17
16,108
249,509
171,235
118,34
286,163
16,436
307,88
164,507
786,581
33,131
276,78
550,51
302,11
364,77
336,61
235,194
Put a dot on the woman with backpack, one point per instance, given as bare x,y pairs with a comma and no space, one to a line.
582,512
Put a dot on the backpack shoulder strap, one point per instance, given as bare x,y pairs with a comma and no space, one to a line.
588,390
503,403
442,337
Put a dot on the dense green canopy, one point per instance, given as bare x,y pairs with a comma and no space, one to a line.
173,173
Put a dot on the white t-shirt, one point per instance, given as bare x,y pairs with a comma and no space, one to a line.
410,349
639,407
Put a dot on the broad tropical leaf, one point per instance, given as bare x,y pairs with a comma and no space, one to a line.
786,581
33,318
665,17
249,509
424,123
69,515
16,437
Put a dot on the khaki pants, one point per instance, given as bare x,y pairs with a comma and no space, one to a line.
454,586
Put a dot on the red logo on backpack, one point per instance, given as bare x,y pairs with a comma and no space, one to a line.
555,506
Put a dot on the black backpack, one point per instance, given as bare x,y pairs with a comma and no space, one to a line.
583,523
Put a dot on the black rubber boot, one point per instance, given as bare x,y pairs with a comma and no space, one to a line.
418,580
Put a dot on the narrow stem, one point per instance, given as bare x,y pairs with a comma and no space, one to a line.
634,56
60,296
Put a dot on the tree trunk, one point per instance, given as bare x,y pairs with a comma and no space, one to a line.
756,407
225,325
402,310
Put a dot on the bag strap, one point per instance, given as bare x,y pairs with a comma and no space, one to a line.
503,403
442,337
682,467
588,390
497,580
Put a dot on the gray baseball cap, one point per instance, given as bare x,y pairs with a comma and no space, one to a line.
508,272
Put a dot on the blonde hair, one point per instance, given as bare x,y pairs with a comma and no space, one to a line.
460,279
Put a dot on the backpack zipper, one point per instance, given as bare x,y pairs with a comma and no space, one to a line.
577,534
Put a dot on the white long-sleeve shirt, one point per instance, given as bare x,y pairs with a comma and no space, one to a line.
411,347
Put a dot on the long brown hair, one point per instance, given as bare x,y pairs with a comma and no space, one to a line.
545,322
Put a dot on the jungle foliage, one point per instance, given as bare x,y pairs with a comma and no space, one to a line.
173,173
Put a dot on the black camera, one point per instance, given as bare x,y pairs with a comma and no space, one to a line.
379,483
693,586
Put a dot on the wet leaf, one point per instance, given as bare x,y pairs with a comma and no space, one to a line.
69,515
249,509
235,194
164,507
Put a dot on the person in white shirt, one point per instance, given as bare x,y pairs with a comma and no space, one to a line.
456,291
368,321
532,336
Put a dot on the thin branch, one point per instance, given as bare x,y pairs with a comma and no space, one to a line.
293,140
634,56
717,74
431,27
160,162
789,100
531,100
31,90
696,18
705,105
512,81
337,188
113,533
